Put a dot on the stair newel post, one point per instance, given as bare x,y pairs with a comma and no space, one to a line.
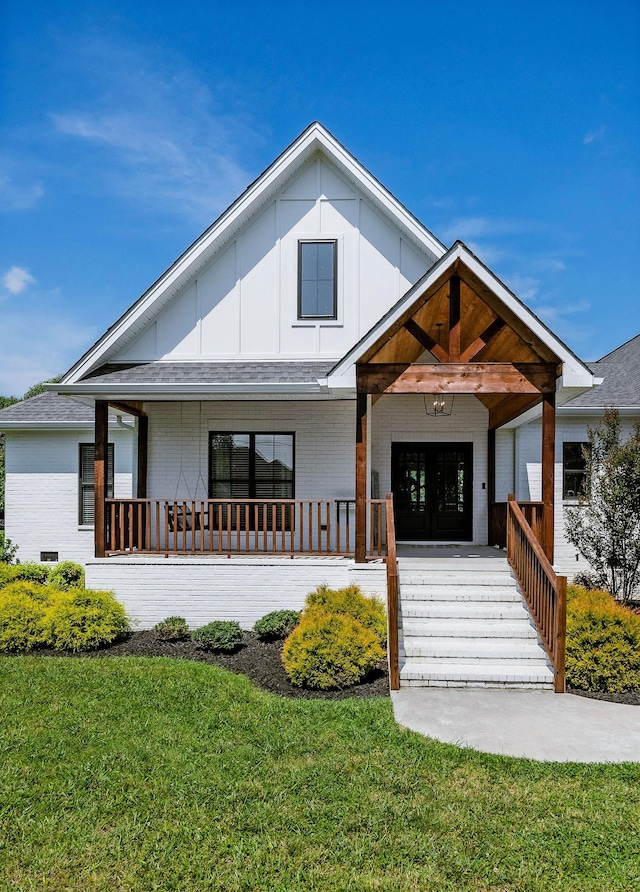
361,478
392,599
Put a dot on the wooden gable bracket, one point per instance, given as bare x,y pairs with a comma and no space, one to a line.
482,340
456,377
426,341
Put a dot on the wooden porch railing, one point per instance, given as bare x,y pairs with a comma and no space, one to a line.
241,526
544,591
533,513
392,599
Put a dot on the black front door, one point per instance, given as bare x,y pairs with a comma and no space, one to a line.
432,493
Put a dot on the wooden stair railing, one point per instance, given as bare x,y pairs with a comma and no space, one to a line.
392,599
545,593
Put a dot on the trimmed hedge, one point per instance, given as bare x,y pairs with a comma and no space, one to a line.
277,624
603,643
351,602
173,628
33,615
330,650
221,635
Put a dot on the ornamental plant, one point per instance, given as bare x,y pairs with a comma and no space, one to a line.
67,575
23,606
330,650
277,624
221,635
351,602
81,619
173,628
29,571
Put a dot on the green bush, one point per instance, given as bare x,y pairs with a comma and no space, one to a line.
350,601
8,550
28,571
66,575
277,624
173,628
219,635
80,619
23,606
603,643
330,650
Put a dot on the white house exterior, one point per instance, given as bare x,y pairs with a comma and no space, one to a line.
292,353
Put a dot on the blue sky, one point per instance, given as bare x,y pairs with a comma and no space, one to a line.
126,128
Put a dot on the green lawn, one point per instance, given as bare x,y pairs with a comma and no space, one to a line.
136,774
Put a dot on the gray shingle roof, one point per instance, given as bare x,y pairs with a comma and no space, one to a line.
295,372
47,407
621,372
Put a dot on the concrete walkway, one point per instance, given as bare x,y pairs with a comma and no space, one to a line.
535,724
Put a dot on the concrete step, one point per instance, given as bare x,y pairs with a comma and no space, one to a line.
507,610
498,673
463,627
475,649
411,592
456,579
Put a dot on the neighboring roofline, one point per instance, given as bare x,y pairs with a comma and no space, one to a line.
58,425
615,349
460,252
314,138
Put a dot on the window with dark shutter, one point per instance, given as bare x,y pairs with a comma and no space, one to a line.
86,496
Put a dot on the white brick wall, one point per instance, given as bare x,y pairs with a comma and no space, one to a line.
204,589
41,504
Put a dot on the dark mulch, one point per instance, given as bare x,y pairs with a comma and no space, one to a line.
258,660
631,698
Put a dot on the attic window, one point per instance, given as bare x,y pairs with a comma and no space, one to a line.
317,292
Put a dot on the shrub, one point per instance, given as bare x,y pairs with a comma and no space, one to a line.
330,650
219,635
586,580
23,606
79,619
28,571
277,624
8,550
603,643
350,601
173,628
66,575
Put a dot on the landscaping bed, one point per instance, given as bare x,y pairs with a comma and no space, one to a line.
258,660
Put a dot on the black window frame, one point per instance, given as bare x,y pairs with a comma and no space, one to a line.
252,462
86,487
575,474
311,316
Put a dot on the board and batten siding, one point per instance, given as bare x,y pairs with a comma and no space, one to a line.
243,304
206,589
42,491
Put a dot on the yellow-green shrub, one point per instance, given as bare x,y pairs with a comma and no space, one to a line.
603,643
23,606
82,618
330,650
351,602
29,571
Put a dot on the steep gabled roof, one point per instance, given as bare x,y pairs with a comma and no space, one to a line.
315,140
620,371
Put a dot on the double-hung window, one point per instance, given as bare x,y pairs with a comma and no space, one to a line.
317,280
86,490
574,469
251,466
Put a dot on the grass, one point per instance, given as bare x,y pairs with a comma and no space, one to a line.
153,774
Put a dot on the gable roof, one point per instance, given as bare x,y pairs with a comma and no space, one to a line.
533,334
620,371
316,139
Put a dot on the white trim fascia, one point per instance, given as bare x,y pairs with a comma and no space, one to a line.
171,391
314,138
575,373
597,410
55,426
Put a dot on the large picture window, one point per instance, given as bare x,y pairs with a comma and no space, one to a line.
251,466
574,469
86,491
317,291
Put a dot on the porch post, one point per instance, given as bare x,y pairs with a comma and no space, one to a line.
101,437
361,477
548,469
143,439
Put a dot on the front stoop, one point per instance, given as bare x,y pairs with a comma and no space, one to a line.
467,628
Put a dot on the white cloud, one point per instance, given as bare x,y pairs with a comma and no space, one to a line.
16,279
163,139
594,135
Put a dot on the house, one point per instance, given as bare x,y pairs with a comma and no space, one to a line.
243,422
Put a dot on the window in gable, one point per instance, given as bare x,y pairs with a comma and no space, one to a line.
317,291
86,493
574,469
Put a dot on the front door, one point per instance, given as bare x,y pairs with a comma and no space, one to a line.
432,493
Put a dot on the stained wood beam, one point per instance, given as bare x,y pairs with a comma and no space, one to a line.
361,478
426,340
489,377
134,409
548,470
143,448
482,340
454,319
101,439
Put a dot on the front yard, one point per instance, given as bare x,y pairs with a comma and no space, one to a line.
144,774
